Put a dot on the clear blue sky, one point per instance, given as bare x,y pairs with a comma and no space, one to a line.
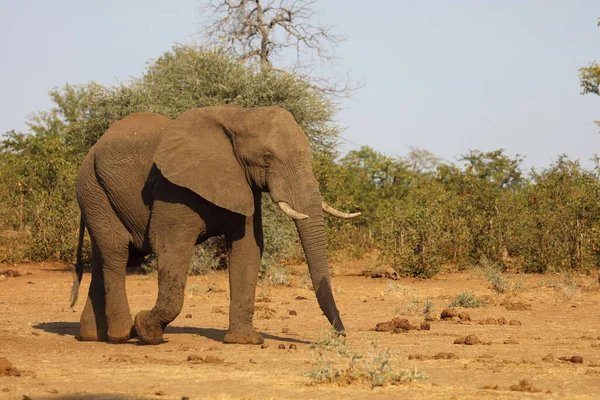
446,76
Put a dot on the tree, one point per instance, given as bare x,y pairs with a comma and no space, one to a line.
589,79
259,31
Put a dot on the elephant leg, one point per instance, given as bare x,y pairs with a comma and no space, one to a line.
106,315
173,239
245,250
118,315
93,324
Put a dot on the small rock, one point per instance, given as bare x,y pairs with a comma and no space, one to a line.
25,397
396,325
292,312
490,387
514,322
185,398
160,393
464,316
263,300
524,386
445,356
264,346
7,369
548,358
502,321
209,359
300,298
281,347
449,313
285,330
468,340
425,326
293,347
188,315
577,359
35,333
510,341
30,283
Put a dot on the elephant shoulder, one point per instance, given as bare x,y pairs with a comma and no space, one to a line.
142,123
130,142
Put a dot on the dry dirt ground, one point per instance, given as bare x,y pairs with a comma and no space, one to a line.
559,318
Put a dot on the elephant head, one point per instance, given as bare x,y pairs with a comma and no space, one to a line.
224,154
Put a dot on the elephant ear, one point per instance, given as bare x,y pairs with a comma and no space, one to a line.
197,153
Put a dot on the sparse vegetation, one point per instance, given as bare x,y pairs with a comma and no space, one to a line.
466,299
498,280
278,276
339,365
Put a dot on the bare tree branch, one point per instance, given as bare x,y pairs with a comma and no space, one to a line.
260,31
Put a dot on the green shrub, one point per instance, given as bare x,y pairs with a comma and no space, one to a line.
466,299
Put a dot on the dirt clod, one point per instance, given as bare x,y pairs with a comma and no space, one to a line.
396,325
515,306
524,386
300,298
160,393
502,321
209,359
511,341
449,313
425,326
10,273
292,312
445,356
381,272
264,346
491,387
469,340
281,347
293,347
262,300
7,369
573,359
188,315
464,316
515,322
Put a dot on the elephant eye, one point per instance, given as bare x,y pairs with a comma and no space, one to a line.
268,157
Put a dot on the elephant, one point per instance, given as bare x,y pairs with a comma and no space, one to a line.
152,184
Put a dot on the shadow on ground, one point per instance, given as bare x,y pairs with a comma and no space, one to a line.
72,329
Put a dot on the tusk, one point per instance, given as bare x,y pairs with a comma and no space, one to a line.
332,211
290,212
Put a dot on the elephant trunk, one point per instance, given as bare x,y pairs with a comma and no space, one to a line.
312,236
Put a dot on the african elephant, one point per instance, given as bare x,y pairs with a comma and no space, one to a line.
155,185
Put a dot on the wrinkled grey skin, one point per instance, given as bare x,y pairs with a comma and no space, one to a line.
151,184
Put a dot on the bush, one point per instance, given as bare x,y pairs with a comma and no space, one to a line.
466,299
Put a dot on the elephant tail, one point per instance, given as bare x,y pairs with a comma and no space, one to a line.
78,263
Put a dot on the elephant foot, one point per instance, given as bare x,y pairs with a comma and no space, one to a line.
148,328
121,332
90,332
247,336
